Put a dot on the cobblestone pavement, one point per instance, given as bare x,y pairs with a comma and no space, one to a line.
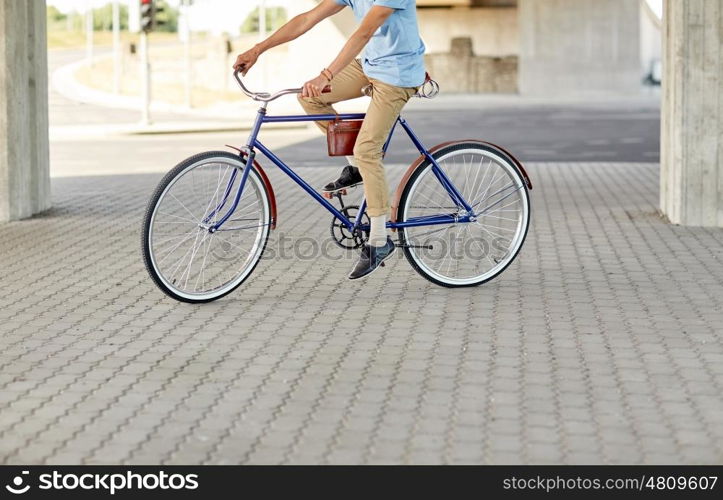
602,343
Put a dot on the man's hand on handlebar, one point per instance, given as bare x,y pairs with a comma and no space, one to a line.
245,61
316,87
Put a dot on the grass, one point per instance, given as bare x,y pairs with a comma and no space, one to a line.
61,39
99,77
165,59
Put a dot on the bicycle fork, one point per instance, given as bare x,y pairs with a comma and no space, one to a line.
250,158
237,198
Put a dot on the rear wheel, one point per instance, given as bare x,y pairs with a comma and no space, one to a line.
462,254
188,261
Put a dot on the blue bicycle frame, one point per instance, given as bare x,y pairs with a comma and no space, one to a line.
466,213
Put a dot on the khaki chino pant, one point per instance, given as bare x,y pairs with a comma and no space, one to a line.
387,102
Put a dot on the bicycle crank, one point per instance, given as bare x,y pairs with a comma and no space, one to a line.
343,236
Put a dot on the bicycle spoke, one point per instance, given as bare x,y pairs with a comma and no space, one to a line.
487,181
499,209
171,222
171,239
179,262
177,217
484,211
184,207
491,233
215,201
242,228
192,260
499,191
190,235
229,242
196,198
487,226
491,183
203,263
499,218
193,256
433,231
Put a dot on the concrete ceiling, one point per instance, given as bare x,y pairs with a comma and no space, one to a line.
466,3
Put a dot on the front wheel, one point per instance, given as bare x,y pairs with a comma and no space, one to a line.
184,255
461,254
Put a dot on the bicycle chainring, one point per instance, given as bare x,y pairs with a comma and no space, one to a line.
345,238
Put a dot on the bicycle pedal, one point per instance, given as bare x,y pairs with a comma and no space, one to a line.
330,195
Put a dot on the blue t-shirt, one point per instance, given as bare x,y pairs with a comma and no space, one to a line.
395,53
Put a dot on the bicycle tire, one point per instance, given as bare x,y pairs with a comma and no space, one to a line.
421,170
175,173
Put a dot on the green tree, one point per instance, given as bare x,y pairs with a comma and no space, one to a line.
103,17
168,18
275,18
54,15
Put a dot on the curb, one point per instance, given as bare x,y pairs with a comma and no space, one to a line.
233,119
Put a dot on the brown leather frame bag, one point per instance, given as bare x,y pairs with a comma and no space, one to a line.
341,136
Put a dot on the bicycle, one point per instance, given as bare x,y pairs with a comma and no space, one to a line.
461,212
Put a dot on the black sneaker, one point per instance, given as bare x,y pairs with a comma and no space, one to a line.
371,258
349,177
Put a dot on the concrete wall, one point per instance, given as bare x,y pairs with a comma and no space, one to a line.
493,30
579,46
691,171
460,70
488,65
24,156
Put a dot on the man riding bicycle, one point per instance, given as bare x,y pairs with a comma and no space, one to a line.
393,65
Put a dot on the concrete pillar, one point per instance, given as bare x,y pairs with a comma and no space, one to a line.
691,173
24,152
579,46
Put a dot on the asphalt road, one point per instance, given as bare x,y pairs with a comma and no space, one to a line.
558,132
540,134
626,130
66,112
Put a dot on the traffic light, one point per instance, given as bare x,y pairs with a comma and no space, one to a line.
149,14
146,15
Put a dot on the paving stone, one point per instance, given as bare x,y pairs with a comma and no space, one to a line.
598,345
